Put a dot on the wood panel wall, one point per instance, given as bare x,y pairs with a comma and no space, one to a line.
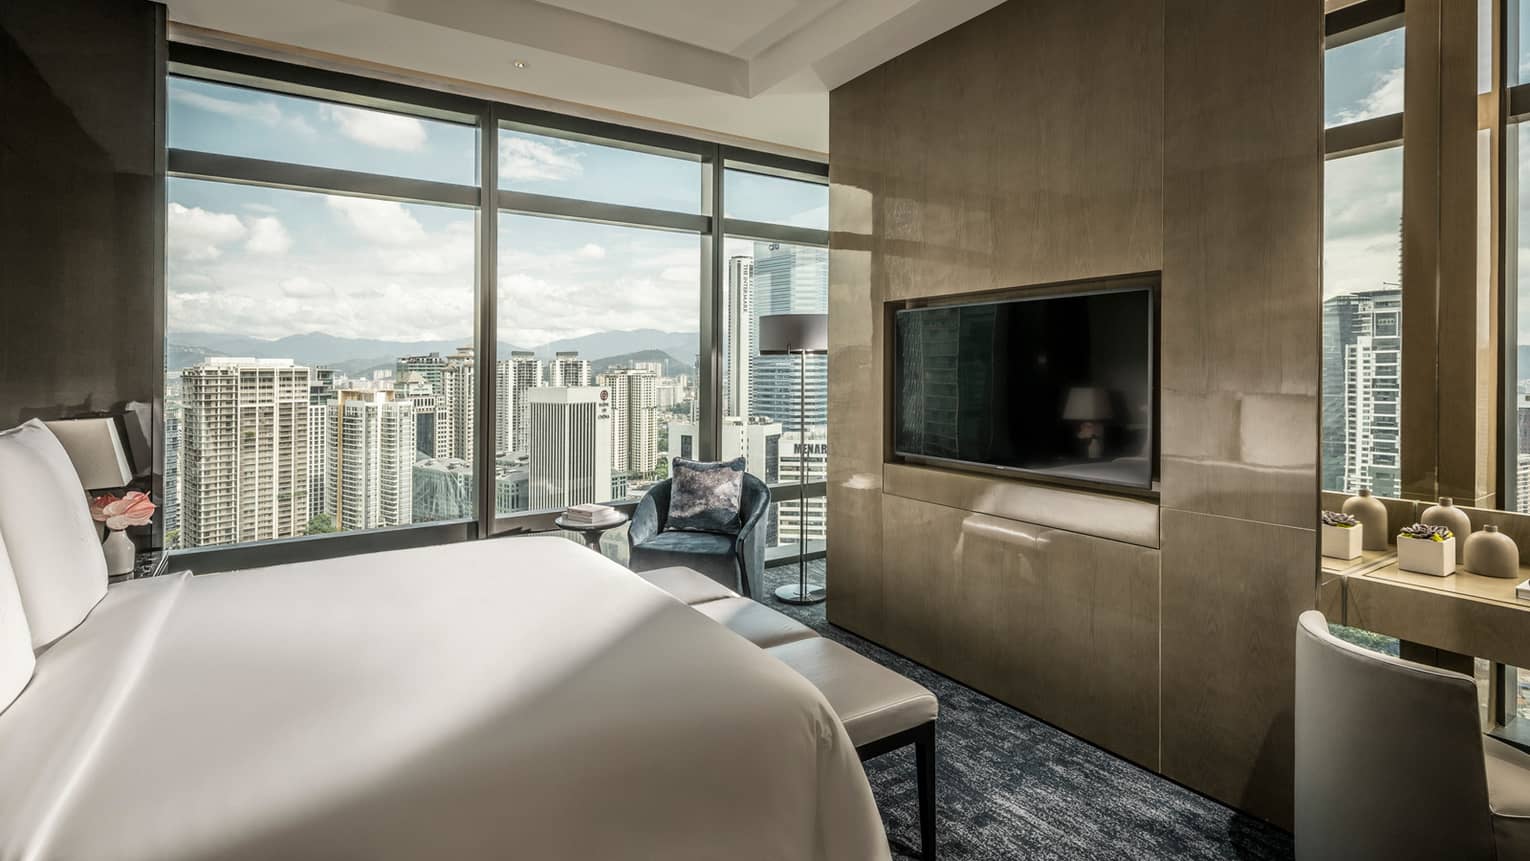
1052,140
81,205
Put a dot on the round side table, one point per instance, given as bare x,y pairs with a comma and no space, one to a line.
591,532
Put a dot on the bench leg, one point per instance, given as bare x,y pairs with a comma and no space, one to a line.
924,761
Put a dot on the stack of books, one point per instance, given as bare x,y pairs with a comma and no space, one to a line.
589,514
1522,591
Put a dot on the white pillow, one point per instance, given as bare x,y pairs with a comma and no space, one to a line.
55,549
16,657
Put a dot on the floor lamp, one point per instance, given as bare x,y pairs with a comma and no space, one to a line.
798,335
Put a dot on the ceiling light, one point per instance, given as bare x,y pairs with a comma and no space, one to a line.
519,64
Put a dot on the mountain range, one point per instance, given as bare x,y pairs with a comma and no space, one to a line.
356,356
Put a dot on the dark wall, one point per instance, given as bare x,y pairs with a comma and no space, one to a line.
81,205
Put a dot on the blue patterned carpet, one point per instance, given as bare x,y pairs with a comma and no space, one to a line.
1010,786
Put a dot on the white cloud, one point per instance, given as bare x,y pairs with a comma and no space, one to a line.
1384,99
196,234
263,111
302,287
377,128
591,251
525,160
382,221
267,236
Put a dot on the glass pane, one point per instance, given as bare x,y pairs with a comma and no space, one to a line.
1362,312
763,395
240,121
772,199
1518,25
319,363
781,526
1363,79
598,344
1484,46
1519,143
541,164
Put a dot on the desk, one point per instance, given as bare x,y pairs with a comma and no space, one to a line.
1443,621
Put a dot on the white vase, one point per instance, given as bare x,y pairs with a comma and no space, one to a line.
120,553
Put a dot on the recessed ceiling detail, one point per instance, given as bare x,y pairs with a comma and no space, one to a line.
758,69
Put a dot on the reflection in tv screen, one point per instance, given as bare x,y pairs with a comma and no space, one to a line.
1061,386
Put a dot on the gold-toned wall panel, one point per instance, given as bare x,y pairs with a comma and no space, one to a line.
1061,625
1242,259
1033,154
856,408
1232,591
1118,518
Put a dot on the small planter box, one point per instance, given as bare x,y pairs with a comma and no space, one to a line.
1422,556
1343,542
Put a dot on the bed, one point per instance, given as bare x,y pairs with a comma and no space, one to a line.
511,698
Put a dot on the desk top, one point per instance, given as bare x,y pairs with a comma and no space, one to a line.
1462,584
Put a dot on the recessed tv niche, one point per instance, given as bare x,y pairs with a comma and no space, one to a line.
1058,387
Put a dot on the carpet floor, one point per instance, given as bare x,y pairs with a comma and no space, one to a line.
1010,786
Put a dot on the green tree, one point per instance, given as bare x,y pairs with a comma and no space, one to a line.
320,525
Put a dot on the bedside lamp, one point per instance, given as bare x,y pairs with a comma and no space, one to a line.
95,448
1089,406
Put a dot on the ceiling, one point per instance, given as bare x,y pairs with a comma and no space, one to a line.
753,69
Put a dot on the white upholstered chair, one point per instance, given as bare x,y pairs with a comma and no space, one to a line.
1391,762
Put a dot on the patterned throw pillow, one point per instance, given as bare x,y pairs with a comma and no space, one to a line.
705,497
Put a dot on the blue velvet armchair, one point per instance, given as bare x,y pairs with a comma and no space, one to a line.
736,561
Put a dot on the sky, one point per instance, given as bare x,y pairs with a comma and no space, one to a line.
1362,201
273,262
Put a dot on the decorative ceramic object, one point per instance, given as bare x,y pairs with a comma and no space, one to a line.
1492,554
1425,549
1373,519
120,553
133,509
1446,514
1342,535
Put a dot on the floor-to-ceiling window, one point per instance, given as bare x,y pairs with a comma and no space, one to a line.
357,342
1362,264
298,299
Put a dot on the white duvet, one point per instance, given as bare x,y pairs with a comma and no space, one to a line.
518,698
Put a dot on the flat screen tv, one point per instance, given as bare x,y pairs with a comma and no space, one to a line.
1058,386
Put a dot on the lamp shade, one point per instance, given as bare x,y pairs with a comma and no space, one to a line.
1086,404
794,333
95,448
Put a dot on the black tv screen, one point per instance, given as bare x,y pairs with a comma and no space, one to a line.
1060,386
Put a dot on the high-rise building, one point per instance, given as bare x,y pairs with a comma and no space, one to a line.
244,455
454,406
740,336
522,371
790,515
443,489
634,420
789,279
1362,349
413,387
321,461
172,500
374,458
757,441
429,367
570,448
568,370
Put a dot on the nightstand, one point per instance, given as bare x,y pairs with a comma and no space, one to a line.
148,563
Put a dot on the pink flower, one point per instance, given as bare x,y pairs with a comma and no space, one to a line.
98,507
133,509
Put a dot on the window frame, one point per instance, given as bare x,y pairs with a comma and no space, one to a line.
488,200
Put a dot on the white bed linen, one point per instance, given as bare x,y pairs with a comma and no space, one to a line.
517,698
